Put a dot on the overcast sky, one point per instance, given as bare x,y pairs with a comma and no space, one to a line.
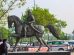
62,9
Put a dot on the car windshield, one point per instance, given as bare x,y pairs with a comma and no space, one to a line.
55,42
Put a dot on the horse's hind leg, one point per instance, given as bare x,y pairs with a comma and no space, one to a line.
39,42
17,40
45,44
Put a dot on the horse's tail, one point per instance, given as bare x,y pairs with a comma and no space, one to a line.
53,31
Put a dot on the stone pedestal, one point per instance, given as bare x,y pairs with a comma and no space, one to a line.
41,53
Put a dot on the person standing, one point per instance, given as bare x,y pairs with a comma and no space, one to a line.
1,41
1,46
4,47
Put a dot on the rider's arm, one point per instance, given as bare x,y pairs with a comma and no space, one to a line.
33,19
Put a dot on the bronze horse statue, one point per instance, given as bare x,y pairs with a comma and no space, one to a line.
23,30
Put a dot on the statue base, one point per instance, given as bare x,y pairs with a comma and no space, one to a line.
40,53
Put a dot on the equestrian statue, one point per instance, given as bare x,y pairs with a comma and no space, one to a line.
29,29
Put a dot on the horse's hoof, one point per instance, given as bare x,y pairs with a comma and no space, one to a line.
48,50
37,51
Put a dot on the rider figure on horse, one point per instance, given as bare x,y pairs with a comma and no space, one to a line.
31,21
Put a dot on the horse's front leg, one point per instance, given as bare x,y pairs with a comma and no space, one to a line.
17,40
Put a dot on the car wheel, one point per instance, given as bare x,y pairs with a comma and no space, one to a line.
61,49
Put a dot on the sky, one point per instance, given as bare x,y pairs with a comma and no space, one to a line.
62,9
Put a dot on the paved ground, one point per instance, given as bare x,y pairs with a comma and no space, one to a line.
72,53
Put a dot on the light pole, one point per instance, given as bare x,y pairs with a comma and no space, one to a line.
34,4
73,35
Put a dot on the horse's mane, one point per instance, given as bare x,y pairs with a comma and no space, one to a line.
15,17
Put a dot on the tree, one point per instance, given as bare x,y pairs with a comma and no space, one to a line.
4,33
44,17
64,36
6,6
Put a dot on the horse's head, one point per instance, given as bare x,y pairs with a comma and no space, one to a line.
10,21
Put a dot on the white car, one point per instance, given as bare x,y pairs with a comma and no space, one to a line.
58,45
24,44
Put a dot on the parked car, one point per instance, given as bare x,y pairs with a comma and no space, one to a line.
58,45
23,44
71,44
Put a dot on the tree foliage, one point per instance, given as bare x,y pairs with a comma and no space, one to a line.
4,33
44,17
64,36
5,7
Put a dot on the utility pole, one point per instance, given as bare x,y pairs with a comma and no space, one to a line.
34,4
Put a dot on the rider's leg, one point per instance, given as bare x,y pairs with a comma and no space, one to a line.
35,28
